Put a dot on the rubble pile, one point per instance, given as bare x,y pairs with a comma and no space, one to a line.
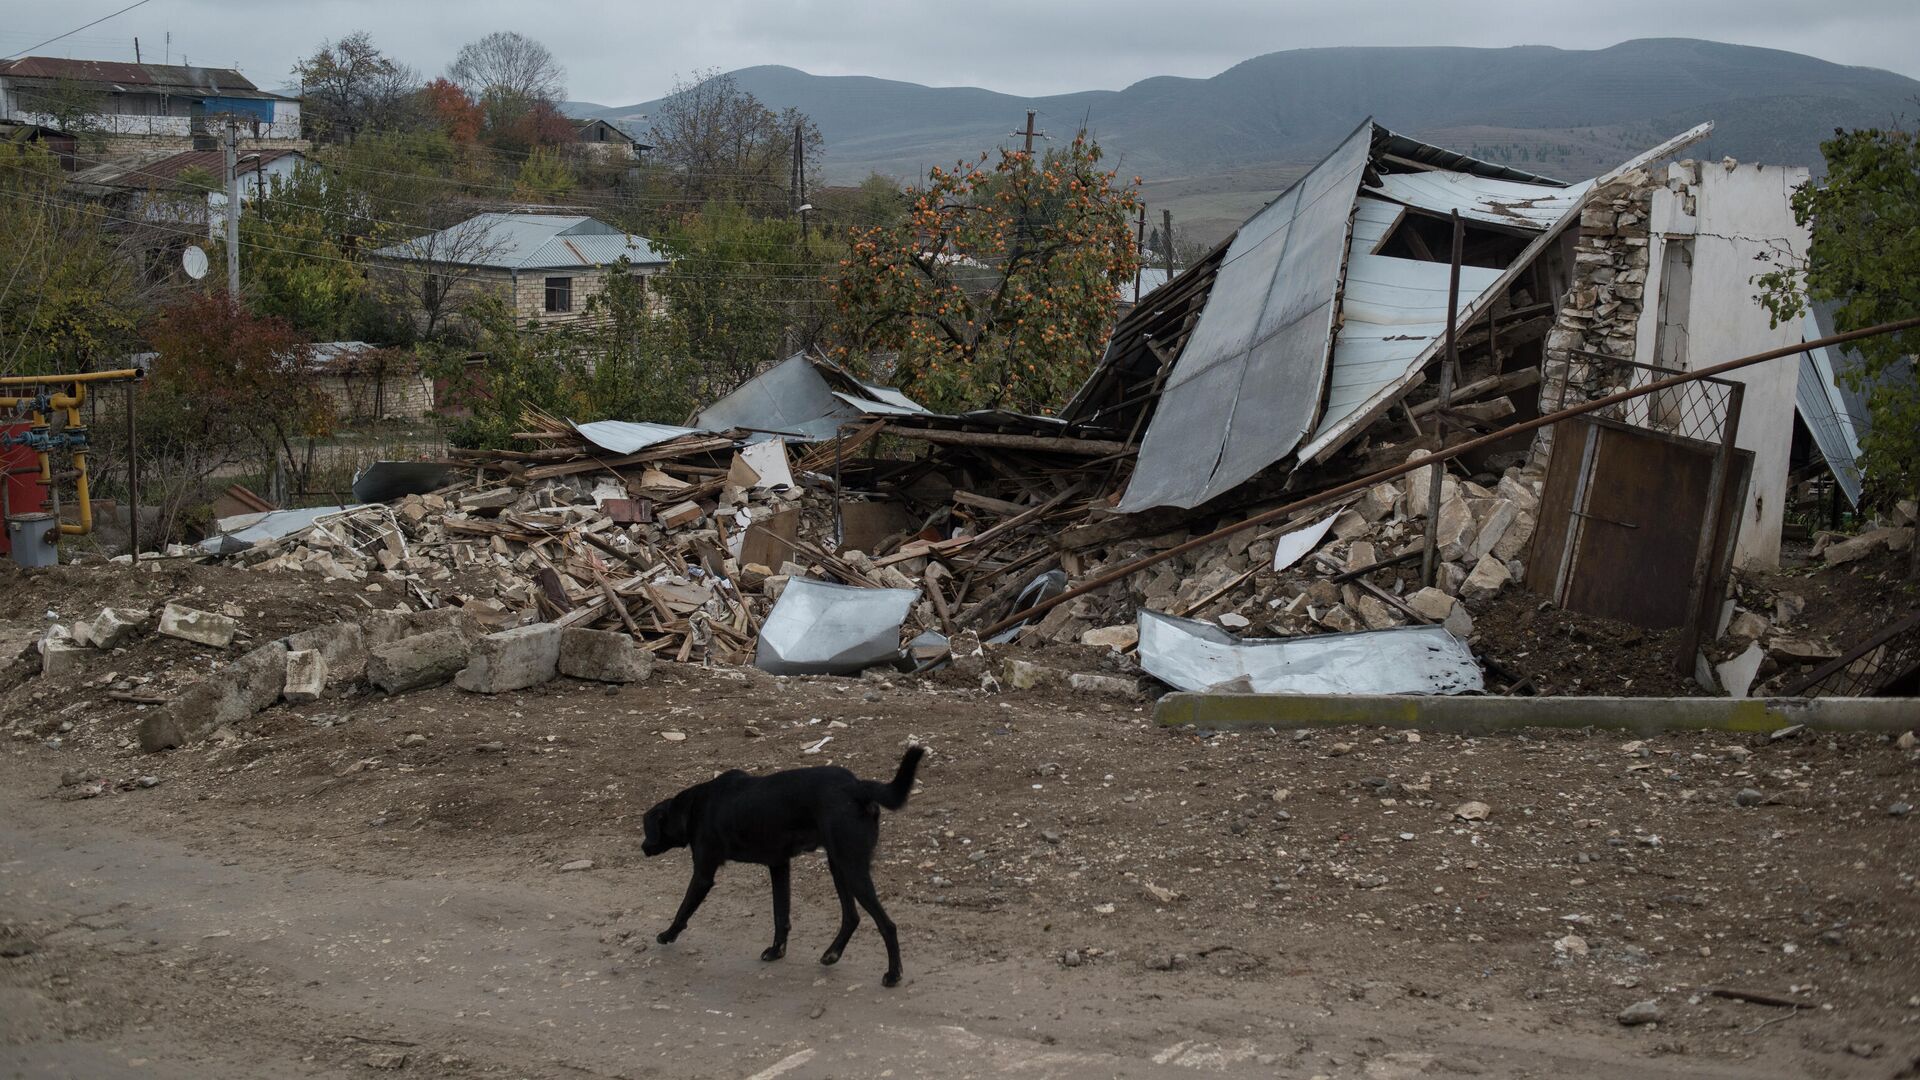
1600,316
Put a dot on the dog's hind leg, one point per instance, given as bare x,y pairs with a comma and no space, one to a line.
860,884
696,892
780,872
849,918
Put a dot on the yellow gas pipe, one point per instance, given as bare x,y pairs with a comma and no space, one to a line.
70,403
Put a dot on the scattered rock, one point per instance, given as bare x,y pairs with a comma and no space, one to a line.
603,656
576,866
1641,1012
1472,811
201,627
512,660
417,662
1750,797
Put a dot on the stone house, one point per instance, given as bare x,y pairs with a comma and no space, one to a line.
123,107
546,267
171,188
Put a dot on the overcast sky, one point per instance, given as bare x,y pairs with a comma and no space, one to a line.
618,53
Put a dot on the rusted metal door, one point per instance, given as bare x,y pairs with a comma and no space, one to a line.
1623,520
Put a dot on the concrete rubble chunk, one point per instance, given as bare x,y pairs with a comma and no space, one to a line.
1748,625
385,627
1378,501
1493,525
1455,532
512,660
201,627
1515,538
491,499
1859,547
1376,614
1488,577
343,645
112,628
306,677
60,654
1118,638
1027,675
1433,603
1104,685
413,663
1797,650
229,695
603,656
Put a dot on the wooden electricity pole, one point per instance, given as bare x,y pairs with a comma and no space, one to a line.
1029,132
1140,253
1166,240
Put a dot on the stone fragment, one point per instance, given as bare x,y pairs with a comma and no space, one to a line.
202,627
306,677
491,499
227,696
1433,603
1119,638
603,656
412,663
1455,533
1339,620
60,654
1104,685
1027,675
1378,501
1748,625
1348,525
342,645
1472,811
1641,1012
1489,576
1795,650
112,628
1361,555
512,660
1376,614
1493,526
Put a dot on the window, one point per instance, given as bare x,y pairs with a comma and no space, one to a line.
559,294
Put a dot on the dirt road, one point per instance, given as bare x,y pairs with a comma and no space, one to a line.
1080,895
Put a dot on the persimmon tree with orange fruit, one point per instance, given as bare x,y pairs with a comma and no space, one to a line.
998,289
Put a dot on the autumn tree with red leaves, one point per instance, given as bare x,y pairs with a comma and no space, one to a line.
228,387
999,288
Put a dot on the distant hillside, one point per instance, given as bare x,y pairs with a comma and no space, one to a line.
1233,139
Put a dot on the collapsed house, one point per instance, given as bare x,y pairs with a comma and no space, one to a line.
1336,333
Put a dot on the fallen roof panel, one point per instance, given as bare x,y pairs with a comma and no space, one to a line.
1479,198
1259,351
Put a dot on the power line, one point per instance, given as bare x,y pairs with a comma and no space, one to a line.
77,29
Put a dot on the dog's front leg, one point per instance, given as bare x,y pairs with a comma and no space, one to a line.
696,892
782,894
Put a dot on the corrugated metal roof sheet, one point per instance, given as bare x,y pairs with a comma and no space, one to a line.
1478,198
531,242
1246,388
223,82
796,397
1393,311
165,171
1373,219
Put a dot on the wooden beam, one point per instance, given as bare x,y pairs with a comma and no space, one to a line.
995,440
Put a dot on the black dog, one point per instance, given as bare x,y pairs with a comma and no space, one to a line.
735,817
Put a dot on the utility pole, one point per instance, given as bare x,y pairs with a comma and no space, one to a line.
799,188
233,210
1029,132
1166,239
136,50
1140,252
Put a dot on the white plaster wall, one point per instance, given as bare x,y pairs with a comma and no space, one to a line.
1739,213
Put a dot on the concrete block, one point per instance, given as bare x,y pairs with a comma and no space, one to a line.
1488,577
512,660
306,676
343,645
603,656
227,696
112,628
413,663
62,655
202,627
384,627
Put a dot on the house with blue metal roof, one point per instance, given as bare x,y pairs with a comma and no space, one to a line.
545,266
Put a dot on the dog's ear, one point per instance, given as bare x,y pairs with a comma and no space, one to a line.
677,829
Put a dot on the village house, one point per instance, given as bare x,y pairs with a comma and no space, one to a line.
181,188
123,107
606,142
547,267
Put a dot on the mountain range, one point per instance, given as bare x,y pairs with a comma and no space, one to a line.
1216,148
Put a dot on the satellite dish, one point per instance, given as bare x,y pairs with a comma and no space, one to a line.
194,262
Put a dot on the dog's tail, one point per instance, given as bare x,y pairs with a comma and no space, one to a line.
893,794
